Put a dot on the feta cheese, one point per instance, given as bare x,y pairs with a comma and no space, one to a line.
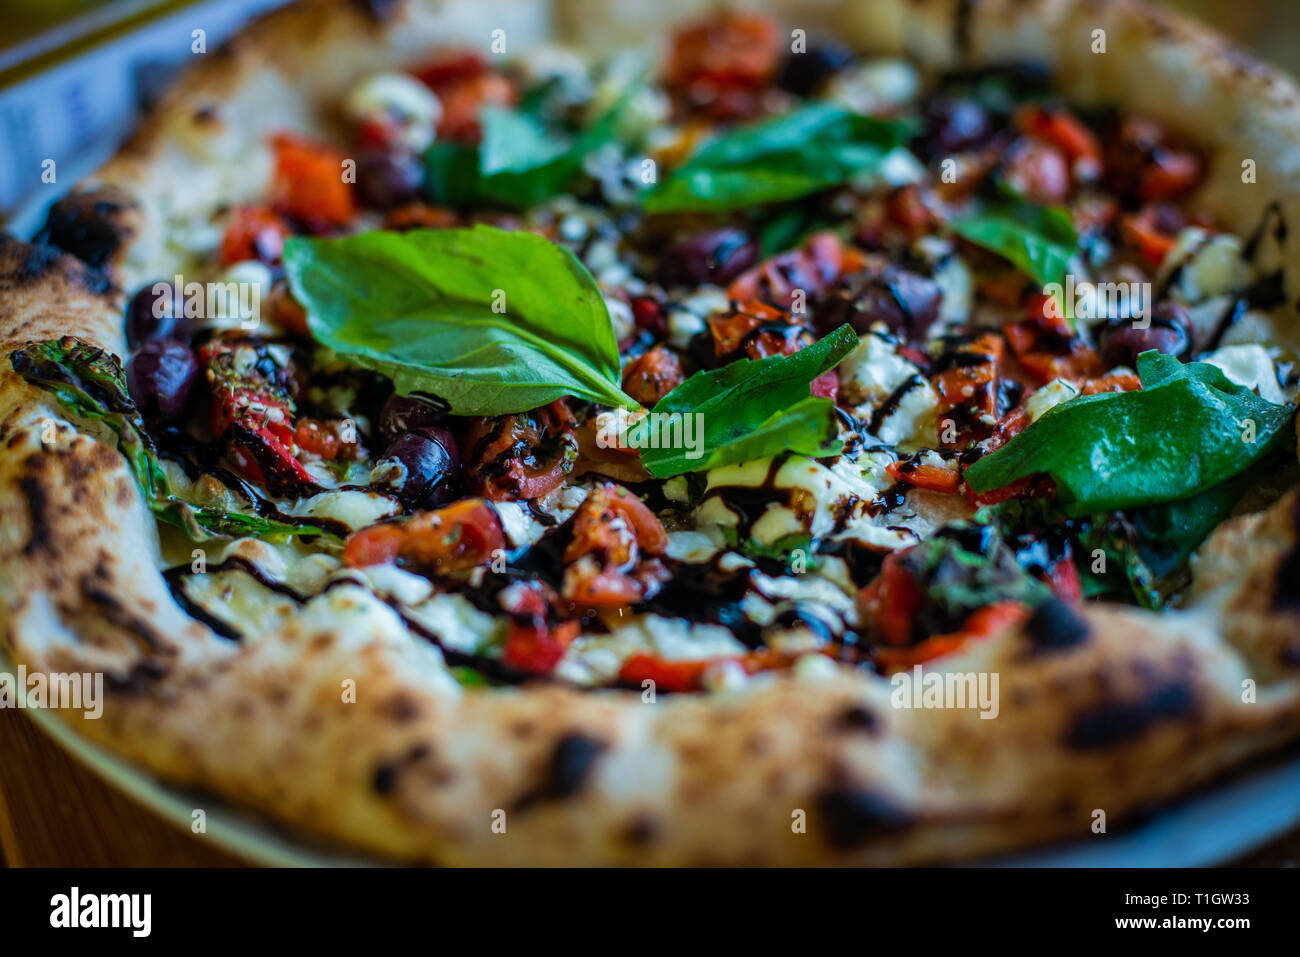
1049,397
400,102
1251,366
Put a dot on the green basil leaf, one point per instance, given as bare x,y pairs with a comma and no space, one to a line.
489,320
89,383
755,408
1186,431
519,163
451,176
1037,240
809,150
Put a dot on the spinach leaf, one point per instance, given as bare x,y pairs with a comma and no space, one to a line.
489,320
1186,431
809,150
89,382
753,409
1037,240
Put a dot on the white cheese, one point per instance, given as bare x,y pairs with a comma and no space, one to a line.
875,85
353,507
1049,397
399,101
873,370
1251,366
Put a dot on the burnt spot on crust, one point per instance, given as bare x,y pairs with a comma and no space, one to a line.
24,264
90,225
113,611
1055,625
38,513
856,718
141,677
567,770
385,777
1286,586
378,10
640,831
1117,722
850,817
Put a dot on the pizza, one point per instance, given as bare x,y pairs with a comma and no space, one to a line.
621,433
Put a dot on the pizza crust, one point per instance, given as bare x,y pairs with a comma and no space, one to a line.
1110,712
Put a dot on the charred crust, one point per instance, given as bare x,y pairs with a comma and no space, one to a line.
856,718
1055,626
90,225
850,817
25,264
380,11
38,508
1286,586
640,831
141,677
567,770
386,775
1118,722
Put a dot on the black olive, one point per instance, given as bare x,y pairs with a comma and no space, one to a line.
156,315
954,125
160,377
907,302
717,256
804,73
420,468
1169,332
405,413
387,179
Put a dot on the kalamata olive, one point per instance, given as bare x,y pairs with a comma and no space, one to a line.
420,468
1169,332
155,315
908,303
953,125
160,377
803,73
717,256
406,413
389,178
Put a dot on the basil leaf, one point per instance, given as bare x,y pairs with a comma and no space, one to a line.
753,409
519,163
1037,240
1184,432
957,581
89,382
809,150
489,320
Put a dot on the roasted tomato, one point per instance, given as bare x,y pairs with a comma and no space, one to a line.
309,184
985,623
1066,132
332,439
793,279
967,379
445,541
465,84
252,410
522,456
609,558
254,232
1037,171
719,64
652,375
758,329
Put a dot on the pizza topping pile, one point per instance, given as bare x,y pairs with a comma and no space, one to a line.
607,374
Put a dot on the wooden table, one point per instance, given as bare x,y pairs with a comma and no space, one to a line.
55,813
